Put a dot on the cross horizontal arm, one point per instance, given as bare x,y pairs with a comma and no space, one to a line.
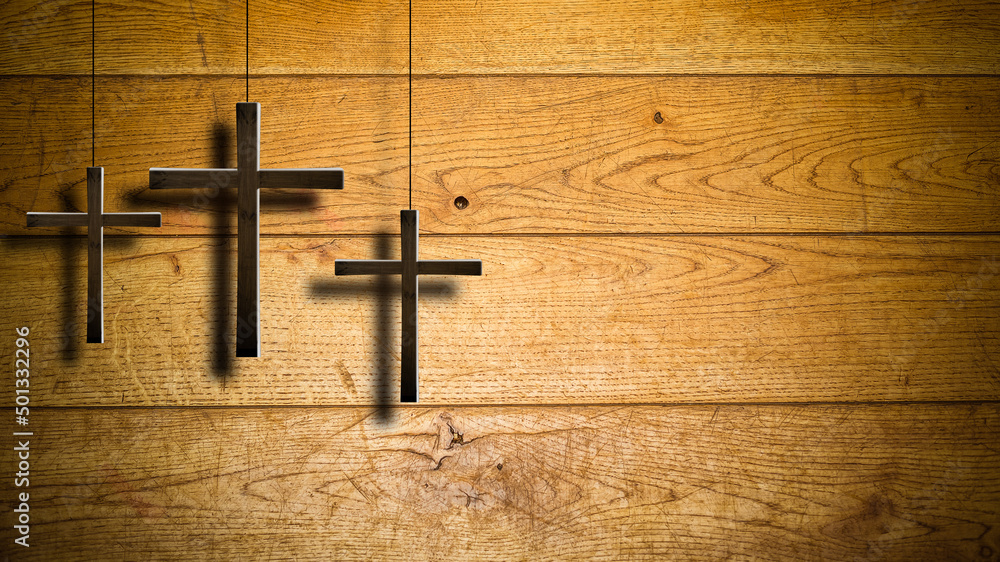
80,219
57,219
311,178
393,267
367,267
290,178
449,267
131,219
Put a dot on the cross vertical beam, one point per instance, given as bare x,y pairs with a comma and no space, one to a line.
248,230
409,267
95,255
409,250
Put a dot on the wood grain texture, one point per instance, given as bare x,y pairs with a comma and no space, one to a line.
190,123
706,36
687,483
531,155
514,36
553,320
626,170
205,37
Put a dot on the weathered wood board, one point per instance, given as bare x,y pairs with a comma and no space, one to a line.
741,295
553,320
530,154
840,482
514,36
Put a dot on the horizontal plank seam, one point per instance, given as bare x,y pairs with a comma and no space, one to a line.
425,405
537,235
828,75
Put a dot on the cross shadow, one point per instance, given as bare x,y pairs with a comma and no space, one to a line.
73,253
287,200
386,293
219,202
224,205
71,248
121,290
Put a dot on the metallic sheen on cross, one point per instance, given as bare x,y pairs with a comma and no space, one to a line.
409,267
249,178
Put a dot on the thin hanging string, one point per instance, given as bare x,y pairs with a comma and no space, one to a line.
248,50
409,67
93,84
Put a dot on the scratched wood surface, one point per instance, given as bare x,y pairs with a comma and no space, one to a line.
680,348
513,36
857,482
530,154
553,320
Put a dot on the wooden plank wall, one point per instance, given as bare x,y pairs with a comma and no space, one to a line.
741,294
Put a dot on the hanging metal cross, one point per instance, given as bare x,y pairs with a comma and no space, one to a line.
409,267
249,178
95,219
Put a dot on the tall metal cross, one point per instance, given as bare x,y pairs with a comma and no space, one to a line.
95,219
409,267
249,178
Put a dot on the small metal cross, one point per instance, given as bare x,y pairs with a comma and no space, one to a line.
95,219
409,267
249,178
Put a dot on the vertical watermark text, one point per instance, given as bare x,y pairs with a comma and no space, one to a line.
22,437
